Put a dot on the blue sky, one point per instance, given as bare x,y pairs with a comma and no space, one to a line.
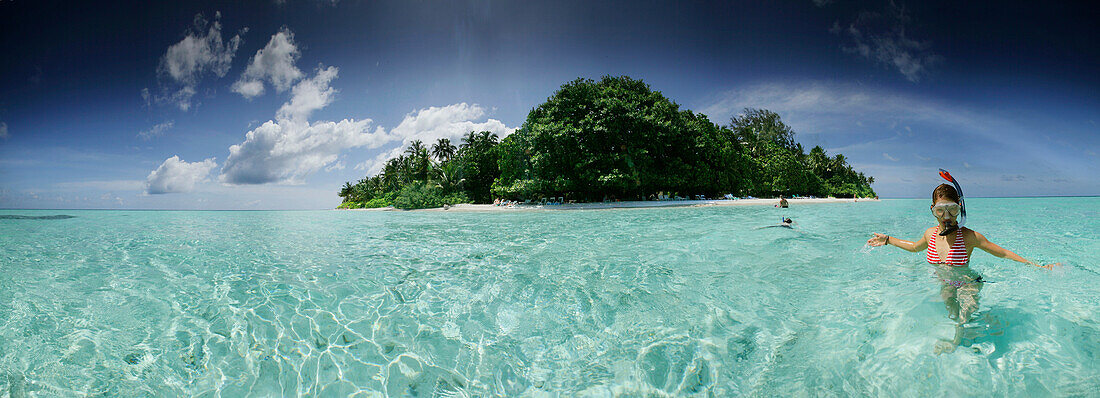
273,105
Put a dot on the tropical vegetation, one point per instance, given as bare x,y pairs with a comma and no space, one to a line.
615,138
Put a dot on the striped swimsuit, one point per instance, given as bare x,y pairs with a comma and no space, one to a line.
956,257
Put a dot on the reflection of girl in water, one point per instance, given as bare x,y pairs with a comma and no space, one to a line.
949,246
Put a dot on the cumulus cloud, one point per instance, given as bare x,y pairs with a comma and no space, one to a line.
431,124
3,130
290,147
882,37
155,131
175,175
273,63
309,95
185,63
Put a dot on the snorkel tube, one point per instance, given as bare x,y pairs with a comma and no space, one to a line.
962,220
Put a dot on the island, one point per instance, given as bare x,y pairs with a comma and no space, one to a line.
607,141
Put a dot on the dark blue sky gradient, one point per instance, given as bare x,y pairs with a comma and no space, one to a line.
1009,101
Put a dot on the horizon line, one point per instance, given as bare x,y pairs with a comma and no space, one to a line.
888,198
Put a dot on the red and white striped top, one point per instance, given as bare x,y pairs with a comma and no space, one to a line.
956,255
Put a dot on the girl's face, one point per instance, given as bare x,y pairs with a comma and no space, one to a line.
946,211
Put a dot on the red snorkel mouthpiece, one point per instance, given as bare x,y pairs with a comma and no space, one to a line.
962,203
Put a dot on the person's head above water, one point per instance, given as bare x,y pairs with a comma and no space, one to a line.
787,221
946,207
945,191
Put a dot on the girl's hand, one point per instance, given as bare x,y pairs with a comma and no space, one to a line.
877,240
1049,266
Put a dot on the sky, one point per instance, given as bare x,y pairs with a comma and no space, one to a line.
274,105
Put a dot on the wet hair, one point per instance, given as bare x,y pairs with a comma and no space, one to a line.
945,191
787,220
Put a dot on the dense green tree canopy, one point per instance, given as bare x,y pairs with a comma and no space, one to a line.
615,138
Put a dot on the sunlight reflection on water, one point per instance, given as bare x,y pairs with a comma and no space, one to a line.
688,301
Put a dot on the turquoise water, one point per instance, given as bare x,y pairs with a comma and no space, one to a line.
640,302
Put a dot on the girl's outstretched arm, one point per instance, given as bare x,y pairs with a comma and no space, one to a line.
880,239
994,249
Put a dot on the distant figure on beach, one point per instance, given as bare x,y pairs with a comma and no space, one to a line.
787,223
782,202
949,246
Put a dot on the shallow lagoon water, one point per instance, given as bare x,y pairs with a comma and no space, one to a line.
639,302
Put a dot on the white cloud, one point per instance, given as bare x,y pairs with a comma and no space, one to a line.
248,89
287,150
882,37
274,63
3,130
309,95
431,124
290,147
155,131
185,62
175,175
335,166
888,157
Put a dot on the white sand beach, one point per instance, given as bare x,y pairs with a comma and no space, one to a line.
634,204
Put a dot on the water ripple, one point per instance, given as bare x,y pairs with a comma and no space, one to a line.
653,302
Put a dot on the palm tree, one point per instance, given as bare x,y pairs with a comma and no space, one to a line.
448,176
359,193
346,190
415,148
489,137
468,138
443,150
419,161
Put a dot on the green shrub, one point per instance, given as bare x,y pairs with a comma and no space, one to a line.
350,205
418,196
377,202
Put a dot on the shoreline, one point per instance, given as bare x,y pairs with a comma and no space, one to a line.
482,208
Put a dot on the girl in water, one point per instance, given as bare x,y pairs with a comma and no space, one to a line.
949,246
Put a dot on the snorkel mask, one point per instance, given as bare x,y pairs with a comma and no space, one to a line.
962,219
